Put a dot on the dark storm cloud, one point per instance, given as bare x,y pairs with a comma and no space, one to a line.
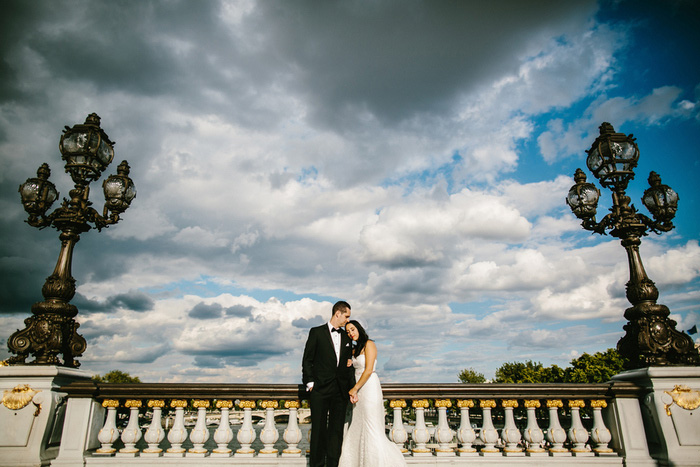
395,59
239,311
205,311
303,323
133,300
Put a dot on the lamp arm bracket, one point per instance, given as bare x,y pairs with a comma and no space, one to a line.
656,226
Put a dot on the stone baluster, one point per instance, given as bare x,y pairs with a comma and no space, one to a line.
246,434
465,433
269,434
109,433
578,434
132,433
600,433
178,433
510,432
398,433
421,435
489,435
223,434
155,433
533,433
292,434
443,433
555,433
200,433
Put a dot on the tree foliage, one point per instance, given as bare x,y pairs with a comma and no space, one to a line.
471,376
116,376
596,368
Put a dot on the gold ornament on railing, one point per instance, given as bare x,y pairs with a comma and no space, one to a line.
246,404
468,403
487,403
420,403
110,403
509,403
443,403
577,403
292,404
153,403
133,403
599,403
18,397
200,403
554,403
224,404
532,403
175,403
400,403
683,397
269,404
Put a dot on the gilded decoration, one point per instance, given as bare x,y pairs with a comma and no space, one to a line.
292,404
159,403
135,403
599,403
401,403
246,404
509,403
420,403
683,396
200,404
18,397
554,403
529,403
178,403
224,404
113,403
443,403
487,404
468,403
269,404
577,403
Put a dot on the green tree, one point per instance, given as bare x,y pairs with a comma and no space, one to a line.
528,372
597,368
116,376
471,376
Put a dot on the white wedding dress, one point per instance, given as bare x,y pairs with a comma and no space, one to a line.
366,444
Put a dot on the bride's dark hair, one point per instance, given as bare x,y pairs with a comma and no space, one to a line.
361,340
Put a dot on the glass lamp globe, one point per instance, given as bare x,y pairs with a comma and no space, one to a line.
38,193
613,157
661,200
87,150
583,197
119,189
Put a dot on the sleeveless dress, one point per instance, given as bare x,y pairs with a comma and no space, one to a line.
366,444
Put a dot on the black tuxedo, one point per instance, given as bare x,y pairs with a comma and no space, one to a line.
329,398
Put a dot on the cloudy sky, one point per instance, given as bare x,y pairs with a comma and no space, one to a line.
410,157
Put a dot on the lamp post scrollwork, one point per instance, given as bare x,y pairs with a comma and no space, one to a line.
87,151
651,337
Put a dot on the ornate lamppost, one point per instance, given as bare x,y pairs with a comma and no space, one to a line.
651,337
87,151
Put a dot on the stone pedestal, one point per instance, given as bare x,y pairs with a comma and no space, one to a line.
670,411
32,412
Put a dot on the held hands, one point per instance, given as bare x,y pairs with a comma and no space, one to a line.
353,396
349,362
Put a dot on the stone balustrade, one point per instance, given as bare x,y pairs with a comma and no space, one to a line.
125,424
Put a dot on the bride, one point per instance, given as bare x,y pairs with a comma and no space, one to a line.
366,443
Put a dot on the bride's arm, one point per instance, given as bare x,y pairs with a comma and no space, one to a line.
370,359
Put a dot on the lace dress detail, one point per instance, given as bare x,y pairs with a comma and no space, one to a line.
366,443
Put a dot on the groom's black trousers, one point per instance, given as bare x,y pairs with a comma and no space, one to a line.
328,410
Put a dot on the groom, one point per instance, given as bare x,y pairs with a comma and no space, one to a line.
328,379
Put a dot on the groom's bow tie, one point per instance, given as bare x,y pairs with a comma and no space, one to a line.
336,330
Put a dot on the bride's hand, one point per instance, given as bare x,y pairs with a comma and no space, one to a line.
349,362
353,395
